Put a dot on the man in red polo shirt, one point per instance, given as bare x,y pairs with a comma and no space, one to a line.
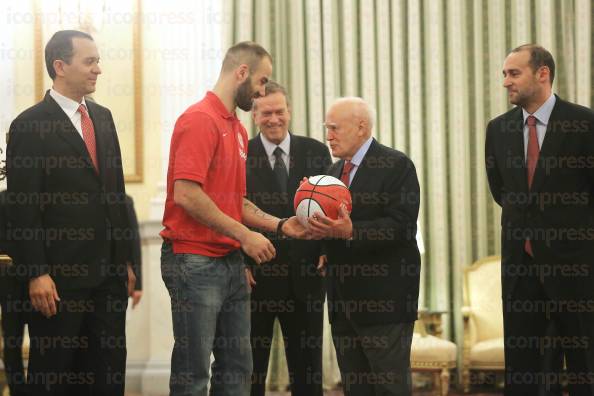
204,219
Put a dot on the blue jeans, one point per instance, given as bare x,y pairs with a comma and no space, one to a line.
211,313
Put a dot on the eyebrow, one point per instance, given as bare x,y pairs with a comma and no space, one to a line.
504,71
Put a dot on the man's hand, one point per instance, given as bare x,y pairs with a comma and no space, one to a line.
43,294
294,229
257,247
136,296
131,280
322,261
250,279
324,227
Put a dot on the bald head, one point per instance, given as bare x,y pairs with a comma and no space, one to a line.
349,122
357,108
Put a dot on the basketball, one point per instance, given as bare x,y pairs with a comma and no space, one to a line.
323,194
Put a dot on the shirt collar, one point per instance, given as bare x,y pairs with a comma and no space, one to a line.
269,147
544,112
69,106
218,105
360,154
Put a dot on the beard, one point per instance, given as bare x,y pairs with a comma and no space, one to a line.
245,96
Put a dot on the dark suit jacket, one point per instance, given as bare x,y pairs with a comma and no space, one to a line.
375,277
5,243
64,218
308,157
9,282
557,214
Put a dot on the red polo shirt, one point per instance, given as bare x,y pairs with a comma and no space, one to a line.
209,147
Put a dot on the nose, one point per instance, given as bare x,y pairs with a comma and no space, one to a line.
97,70
506,82
273,119
262,91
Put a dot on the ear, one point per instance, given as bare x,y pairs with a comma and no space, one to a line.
59,67
242,73
362,126
544,74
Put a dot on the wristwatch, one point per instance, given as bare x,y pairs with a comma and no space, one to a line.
279,229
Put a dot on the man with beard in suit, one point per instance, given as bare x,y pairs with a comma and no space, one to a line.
288,288
540,166
373,259
67,220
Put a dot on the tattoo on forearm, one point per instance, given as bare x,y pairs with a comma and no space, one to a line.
249,206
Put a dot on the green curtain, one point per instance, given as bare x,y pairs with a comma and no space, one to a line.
432,69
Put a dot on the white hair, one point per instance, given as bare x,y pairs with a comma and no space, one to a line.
360,108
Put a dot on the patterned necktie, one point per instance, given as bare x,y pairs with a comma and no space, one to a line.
531,159
88,132
280,170
346,172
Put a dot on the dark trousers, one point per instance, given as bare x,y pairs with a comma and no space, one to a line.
373,360
14,302
301,325
82,349
540,334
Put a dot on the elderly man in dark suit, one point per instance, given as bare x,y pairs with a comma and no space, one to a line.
68,223
373,258
540,167
289,287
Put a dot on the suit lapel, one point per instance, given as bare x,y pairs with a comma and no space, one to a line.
336,169
67,131
551,143
262,168
296,164
363,173
100,138
515,157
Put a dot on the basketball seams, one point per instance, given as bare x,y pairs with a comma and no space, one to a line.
318,192
315,203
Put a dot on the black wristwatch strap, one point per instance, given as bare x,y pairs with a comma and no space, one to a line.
279,228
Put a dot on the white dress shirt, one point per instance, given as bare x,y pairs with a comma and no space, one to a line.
358,158
70,107
269,147
542,116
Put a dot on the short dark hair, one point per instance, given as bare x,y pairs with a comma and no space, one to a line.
539,57
60,47
246,52
273,87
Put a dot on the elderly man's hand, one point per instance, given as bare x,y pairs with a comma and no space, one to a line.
294,229
324,227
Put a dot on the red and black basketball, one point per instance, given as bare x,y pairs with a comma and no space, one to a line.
322,194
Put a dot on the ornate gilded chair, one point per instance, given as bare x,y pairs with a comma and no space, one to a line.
483,319
431,353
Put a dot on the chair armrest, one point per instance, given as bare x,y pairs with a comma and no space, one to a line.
466,312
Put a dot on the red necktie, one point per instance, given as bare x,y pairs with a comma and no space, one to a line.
346,172
88,132
531,160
